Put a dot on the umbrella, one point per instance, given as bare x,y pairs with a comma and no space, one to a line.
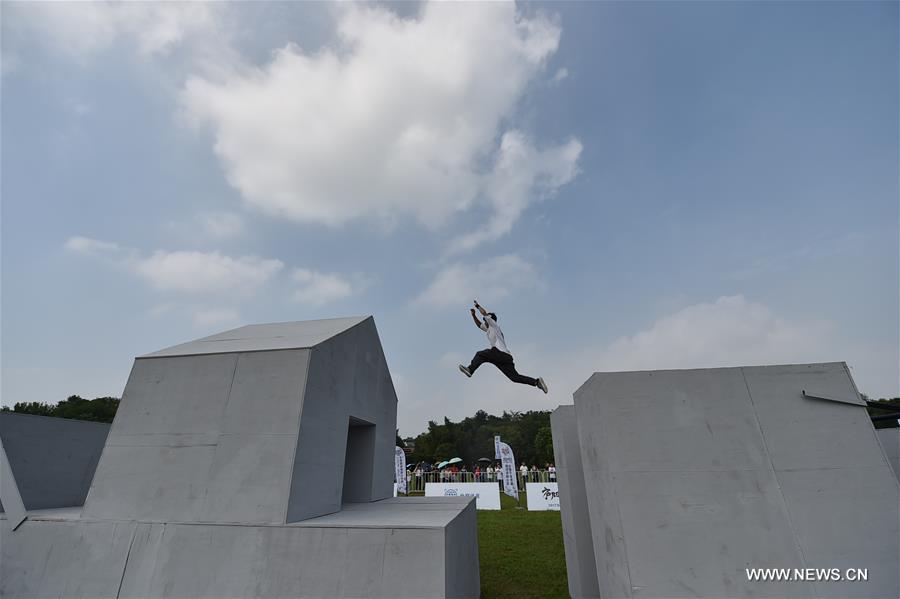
454,461
485,460
410,466
441,465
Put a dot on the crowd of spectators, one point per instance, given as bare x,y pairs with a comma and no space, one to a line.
424,472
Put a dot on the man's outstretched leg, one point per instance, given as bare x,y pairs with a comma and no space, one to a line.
477,360
508,367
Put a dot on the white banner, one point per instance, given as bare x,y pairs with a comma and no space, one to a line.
496,447
542,496
400,469
487,495
508,466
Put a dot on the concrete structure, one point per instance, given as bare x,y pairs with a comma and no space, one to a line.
51,459
253,463
890,441
577,541
692,476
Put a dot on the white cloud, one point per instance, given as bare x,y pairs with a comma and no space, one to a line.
521,175
560,74
81,29
86,245
316,288
732,331
214,316
205,272
186,272
487,281
402,120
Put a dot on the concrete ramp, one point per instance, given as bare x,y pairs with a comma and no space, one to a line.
692,476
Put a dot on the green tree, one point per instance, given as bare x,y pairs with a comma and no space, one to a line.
99,409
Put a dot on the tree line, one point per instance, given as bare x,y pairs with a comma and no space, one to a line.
99,409
528,434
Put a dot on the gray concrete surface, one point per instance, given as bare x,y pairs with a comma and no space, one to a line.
51,556
692,476
581,569
187,444
890,441
13,508
348,380
224,476
264,337
53,459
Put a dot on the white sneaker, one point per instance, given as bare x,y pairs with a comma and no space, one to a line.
542,385
466,372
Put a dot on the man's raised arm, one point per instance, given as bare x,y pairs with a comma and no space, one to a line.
475,318
480,308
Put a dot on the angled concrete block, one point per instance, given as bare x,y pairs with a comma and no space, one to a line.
581,569
252,463
692,476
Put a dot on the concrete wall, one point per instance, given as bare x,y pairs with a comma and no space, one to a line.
462,577
890,441
52,459
206,438
577,541
692,476
348,378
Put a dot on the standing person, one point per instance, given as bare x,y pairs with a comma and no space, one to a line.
523,471
498,354
534,473
552,470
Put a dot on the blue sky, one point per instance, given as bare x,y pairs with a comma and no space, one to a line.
628,185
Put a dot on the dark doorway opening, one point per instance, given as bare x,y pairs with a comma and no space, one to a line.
359,461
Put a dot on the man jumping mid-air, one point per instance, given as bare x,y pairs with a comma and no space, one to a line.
498,354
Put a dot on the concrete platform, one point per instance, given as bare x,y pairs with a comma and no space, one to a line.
389,548
692,476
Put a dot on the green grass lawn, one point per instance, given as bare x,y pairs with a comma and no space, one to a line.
521,552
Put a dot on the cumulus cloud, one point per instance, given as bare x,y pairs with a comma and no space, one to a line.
81,29
404,118
205,272
185,272
521,174
731,331
86,245
316,288
489,281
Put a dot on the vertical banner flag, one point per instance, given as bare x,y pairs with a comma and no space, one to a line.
400,469
496,447
508,465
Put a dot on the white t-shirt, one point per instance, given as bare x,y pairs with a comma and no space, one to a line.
494,334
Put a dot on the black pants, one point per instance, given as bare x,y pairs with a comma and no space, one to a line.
504,362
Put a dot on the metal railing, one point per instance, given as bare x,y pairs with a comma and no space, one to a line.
416,481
